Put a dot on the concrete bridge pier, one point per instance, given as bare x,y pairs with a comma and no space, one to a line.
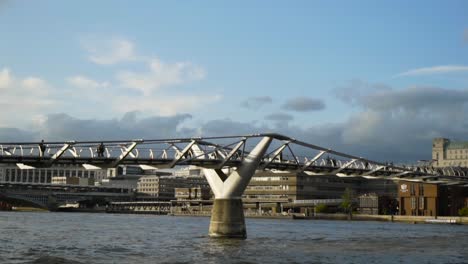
227,218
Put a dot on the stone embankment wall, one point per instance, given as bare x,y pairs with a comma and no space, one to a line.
355,217
390,218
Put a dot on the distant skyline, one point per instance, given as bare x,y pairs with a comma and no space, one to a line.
375,79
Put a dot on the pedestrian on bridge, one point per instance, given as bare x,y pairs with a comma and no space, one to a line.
42,148
100,150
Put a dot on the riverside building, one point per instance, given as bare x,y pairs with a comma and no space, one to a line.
446,153
11,173
163,187
276,190
426,199
72,181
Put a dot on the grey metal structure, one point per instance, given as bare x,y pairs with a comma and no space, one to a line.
229,163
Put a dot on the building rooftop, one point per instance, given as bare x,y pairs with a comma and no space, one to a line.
457,145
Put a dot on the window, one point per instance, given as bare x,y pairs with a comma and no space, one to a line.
413,203
32,175
421,189
422,204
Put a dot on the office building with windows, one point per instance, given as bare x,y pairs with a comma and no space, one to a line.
428,199
447,153
11,173
279,189
163,187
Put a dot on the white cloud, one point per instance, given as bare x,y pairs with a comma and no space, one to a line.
108,52
160,75
435,70
23,98
414,99
400,130
163,105
34,83
86,83
22,87
130,125
5,78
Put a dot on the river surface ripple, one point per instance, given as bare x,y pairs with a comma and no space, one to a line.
114,238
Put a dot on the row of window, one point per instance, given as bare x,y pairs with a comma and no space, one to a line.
266,196
419,203
149,180
456,157
25,178
279,187
413,189
52,172
276,178
459,151
148,190
173,185
454,163
369,202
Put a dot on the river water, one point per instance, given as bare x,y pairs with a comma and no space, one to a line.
114,238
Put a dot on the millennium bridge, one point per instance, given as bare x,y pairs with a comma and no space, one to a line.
229,162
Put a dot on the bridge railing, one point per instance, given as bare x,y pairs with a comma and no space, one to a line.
284,153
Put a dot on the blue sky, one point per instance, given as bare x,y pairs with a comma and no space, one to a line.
361,77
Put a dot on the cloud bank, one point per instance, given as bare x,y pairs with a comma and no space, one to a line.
280,117
255,103
304,104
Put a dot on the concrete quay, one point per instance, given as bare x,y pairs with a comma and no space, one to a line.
355,217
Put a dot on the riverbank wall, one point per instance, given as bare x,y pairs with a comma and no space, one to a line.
391,218
354,217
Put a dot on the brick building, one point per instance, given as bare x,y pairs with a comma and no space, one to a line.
428,199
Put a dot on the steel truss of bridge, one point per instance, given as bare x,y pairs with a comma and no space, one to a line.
218,153
229,162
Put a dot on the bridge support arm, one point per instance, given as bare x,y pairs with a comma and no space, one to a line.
310,162
344,166
182,154
275,154
60,152
233,151
372,171
227,218
397,175
126,151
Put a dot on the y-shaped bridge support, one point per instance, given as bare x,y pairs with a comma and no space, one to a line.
227,217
